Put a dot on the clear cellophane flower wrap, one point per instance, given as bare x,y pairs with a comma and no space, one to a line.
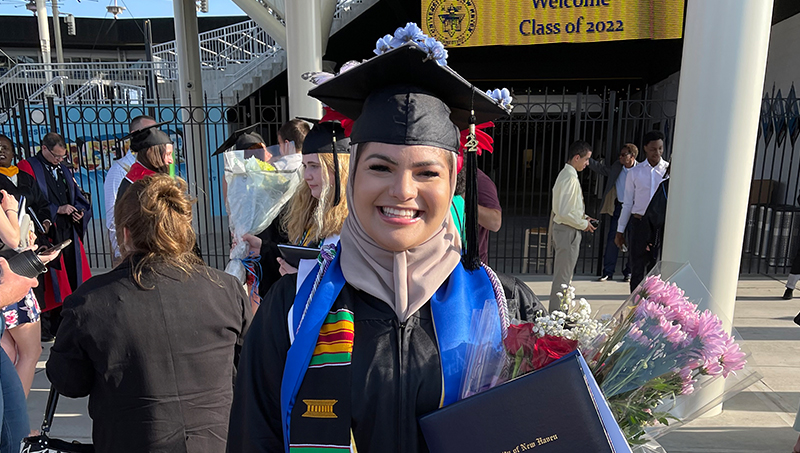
256,192
527,346
667,356
487,364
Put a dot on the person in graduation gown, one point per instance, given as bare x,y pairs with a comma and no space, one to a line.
291,142
253,144
153,343
316,212
22,341
21,184
69,213
154,149
116,173
350,363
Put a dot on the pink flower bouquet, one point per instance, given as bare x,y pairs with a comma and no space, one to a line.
659,348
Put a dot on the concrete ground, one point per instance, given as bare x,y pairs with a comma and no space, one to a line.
757,420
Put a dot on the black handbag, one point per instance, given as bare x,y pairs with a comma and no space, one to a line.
44,443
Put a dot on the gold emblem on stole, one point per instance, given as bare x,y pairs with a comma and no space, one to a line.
320,408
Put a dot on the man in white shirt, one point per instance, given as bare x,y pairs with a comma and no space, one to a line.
569,219
640,185
119,168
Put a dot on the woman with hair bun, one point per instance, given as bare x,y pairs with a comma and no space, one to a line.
153,343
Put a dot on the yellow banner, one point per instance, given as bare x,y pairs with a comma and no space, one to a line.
468,23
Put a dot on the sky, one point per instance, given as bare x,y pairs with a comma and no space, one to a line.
139,9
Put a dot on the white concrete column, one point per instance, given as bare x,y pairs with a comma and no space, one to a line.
264,19
303,54
44,30
719,98
190,80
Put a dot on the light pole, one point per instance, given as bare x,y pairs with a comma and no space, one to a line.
57,32
44,30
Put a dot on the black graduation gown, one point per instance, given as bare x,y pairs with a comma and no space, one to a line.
26,187
72,268
396,375
270,238
158,365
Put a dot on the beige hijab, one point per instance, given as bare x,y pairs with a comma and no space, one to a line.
404,280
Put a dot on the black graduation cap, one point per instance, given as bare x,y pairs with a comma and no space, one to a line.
408,99
241,139
146,137
405,97
325,138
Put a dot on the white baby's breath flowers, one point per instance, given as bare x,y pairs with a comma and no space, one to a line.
573,321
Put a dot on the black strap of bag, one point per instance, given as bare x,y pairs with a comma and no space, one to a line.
43,443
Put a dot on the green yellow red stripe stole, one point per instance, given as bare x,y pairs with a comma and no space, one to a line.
335,342
316,388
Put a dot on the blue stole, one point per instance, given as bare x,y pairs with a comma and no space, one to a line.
452,304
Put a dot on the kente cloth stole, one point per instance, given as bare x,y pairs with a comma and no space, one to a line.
317,379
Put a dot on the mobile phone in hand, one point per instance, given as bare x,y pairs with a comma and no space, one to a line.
595,223
54,249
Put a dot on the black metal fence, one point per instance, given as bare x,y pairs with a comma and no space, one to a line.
93,132
531,149
772,231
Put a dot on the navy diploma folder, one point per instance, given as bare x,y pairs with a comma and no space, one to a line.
558,409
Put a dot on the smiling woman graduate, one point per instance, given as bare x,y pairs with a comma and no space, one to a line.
373,341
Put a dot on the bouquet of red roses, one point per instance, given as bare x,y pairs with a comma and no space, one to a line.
528,346
534,352
534,345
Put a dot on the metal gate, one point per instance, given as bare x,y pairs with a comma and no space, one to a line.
772,231
93,129
530,150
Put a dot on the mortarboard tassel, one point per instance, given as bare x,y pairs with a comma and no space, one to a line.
470,258
337,196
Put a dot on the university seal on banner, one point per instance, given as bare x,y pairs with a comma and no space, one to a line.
451,21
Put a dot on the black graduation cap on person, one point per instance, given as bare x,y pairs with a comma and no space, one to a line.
325,138
405,97
242,138
146,137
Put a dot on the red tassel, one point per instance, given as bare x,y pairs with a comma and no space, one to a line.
485,141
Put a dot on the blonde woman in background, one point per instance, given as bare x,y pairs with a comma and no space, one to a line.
316,213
